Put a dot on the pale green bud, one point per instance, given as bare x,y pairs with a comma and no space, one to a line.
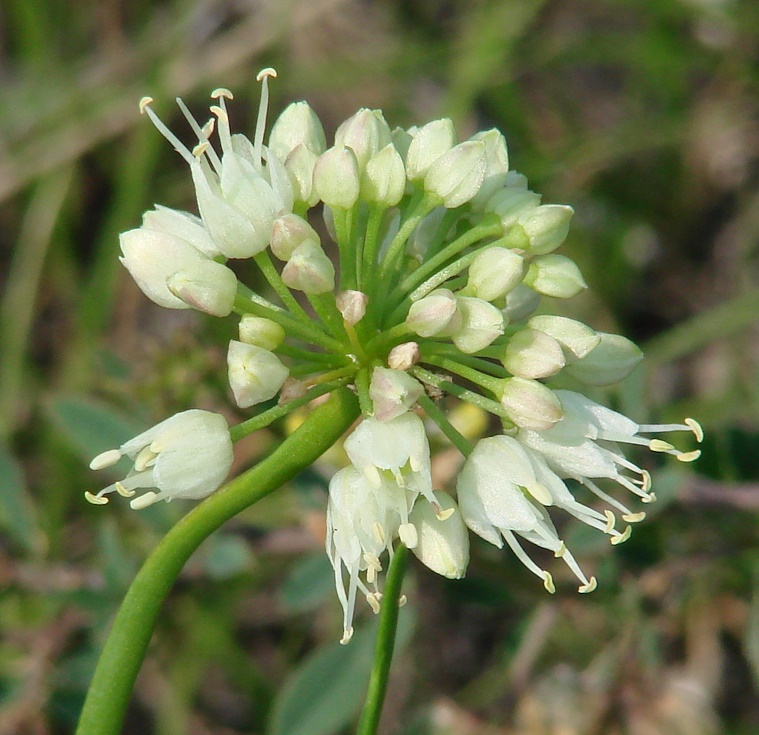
384,179
309,270
511,202
530,404
297,125
612,360
288,232
435,314
577,339
337,178
300,166
205,285
555,275
481,323
429,143
442,538
352,306
255,374
545,227
533,354
261,332
495,272
403,356
393,392
402,141
457,175
365,132
520,303
497,165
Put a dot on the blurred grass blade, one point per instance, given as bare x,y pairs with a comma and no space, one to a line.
326,692
17,515
310,582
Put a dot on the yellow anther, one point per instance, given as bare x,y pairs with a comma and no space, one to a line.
222,92
371,598
402,600
589,587
541,493
443,515
144,102
347,635
689,456
650,498
561,550
121,490
105,459
657,445
634,517
221,114
378,531
95,499
646,481
209,127
621,537
610,521
143,501
695,427
200,149
267,72
548,582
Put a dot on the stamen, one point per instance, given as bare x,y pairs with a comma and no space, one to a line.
560,551
402,600
373,603
622,537
695,427
646,481
657,445
209,127
225,135
201,148
408,535
263,108
541,493
548,582
650,498
347,635
610,521
121,490
105,459
443,515
202,133
144,501
143,459
179,147
634,517
520,553
689,456
379,532
95,499
589,586
221,92
144,102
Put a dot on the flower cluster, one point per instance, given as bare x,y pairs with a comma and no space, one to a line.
433,284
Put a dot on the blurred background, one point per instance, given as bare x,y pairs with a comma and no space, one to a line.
641,114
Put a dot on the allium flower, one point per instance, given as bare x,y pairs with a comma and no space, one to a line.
186,456
429,292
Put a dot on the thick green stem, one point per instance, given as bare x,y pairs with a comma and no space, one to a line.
125,648
383,650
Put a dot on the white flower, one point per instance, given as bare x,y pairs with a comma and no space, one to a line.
393,392
255,374
185,456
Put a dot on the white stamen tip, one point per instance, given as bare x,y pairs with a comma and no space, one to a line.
121,490
621,537
650,498
374,604
144,102
105,459
443,515
695,427
560,551
221,114
347,635
657,445
408,535
267,72
143,501
209,127
95,499
548,582
689,456
402,600
634,517
610,521
222,92
589,587
646,478
200,149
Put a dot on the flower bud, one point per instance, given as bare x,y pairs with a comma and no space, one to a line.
576,339
545,227
184,225
533,354
288,232
612,360
401,139
511,202
261,332
297,125
443,541
520,303
352,305
365,132
205,285
151,257
434,314
457,175
300,166
555,275
403,356
393,392
481,323
255,374
530,404
384,179
424,234
309,270
494,272
429,143
336,177
497,165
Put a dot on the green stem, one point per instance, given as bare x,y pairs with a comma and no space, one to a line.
488,382
454,436
263,261
367,273
125,648
383,650
394,251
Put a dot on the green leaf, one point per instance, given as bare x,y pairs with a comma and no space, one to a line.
309,583
17,515
327,690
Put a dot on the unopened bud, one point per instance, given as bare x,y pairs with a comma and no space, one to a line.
435,314
612,360
530,404
403,356
533,354
401,139
255,374
457,175
205,285
309,270
288,232
577,339
520,303
365,132
481,323
297,125
384,179
261,332
393,392
555,275
495,272
180,224
545,227
497,165
337,178
511,202
300,165
429,143
291,390
352,306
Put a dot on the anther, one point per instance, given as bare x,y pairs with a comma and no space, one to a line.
621,537
689,456
650,498
402,600
144,102
371,598
634,517
695,427
379,533
347,635
610,521
209,127
105,459
143,501
561,550
657,445
267,72
548,582
121,490
95,499
646,481
589,587
200,149
221,114
222,92
443,515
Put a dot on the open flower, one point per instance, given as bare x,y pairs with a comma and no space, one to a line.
186,456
